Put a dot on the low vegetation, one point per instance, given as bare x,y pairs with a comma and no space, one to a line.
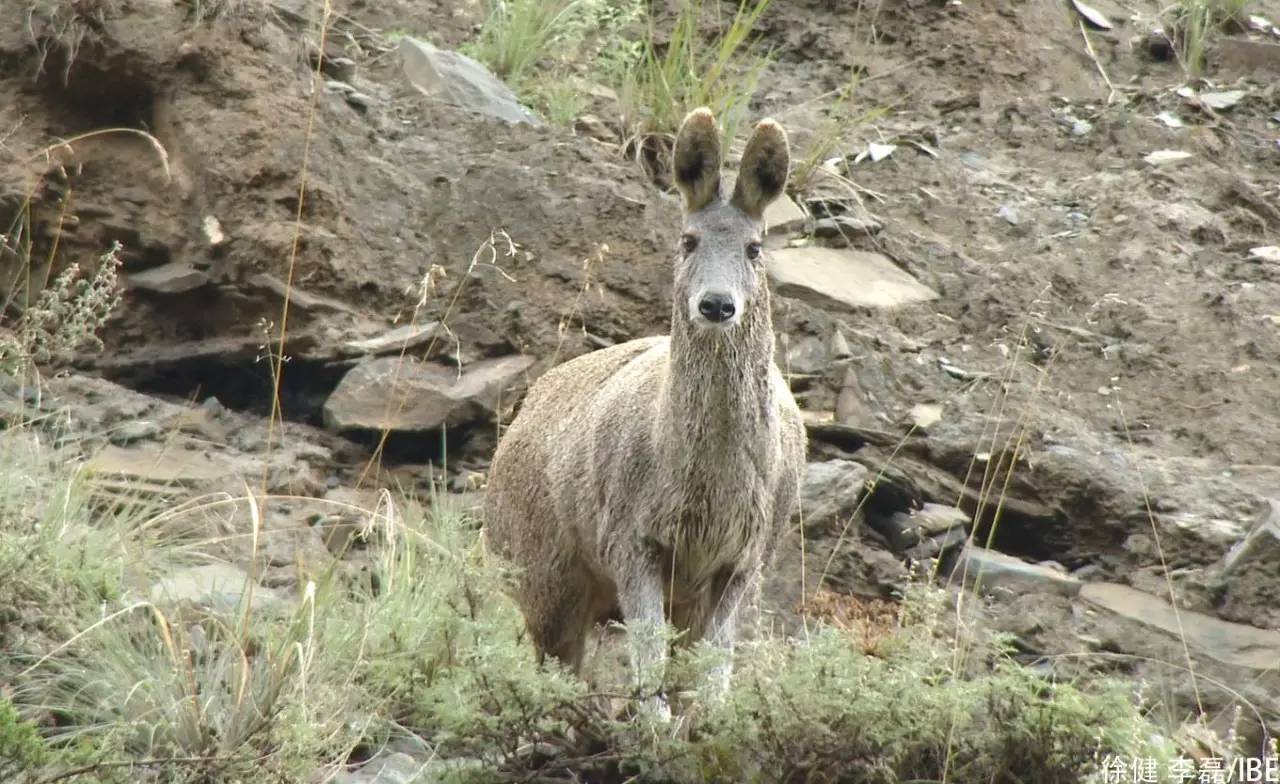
65,316
841,119
561,56
1193,24
518,34
667,80
535,45
416,640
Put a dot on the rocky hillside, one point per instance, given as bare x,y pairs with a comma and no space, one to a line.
1026,291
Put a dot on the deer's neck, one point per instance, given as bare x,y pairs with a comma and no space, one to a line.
718,391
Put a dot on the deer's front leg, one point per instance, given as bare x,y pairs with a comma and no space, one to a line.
722,631
641,599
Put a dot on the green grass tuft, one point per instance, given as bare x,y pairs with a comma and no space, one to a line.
537,45
667,81
1194,24
519,34
841,120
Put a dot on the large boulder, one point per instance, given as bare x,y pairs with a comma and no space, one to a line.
1249,590
831,492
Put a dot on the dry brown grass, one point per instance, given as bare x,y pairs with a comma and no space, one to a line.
869,622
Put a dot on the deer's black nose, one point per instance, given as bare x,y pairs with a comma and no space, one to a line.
716,307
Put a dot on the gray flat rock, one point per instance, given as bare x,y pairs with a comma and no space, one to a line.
221,587
406,337
993,571
831,490
783,215
461,81
154,461
1229,643
907,529
172,278
406,394
843,278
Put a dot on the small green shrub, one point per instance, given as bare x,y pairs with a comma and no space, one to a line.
21,745
561,101
57,553
544,49
537,45
65,317
818,708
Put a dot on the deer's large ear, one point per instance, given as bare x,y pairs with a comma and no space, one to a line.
765,166
696,159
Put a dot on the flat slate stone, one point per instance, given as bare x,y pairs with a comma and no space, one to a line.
160,463
404,338
831,490
843,278
173,278
409,395
219,586
994,570
907,529
1229,643
461,81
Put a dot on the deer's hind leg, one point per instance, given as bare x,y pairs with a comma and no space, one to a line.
563,603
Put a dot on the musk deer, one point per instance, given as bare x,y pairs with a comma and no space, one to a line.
653,478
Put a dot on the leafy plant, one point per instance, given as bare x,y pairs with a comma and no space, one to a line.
559,100
545,48
66,315
423,641
21,745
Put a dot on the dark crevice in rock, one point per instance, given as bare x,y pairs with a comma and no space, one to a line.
242,382
1034,537
415,448
238,382
905,479
92,89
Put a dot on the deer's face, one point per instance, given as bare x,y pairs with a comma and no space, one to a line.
719,272
719,265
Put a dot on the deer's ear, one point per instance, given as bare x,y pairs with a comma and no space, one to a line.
765,166
696,159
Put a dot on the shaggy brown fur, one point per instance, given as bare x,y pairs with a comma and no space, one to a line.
653,478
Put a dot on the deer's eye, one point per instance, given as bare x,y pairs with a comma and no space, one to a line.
754,251
689,243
